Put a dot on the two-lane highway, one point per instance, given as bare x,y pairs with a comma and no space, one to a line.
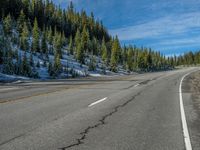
135,112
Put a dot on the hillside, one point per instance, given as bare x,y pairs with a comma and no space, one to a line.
40,40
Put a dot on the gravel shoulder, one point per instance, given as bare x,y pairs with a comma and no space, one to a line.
191,98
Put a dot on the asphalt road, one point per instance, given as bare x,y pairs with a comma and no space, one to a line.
138,112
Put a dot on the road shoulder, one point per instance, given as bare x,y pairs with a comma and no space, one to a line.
191,100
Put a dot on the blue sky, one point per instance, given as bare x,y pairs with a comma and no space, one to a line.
170,26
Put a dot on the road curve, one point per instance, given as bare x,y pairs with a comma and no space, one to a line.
137,112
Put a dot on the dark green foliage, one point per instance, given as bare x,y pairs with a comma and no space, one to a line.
26,69
8,63
50,69
52,28
57,65
130,60
77,39
71,46
85,39
92,64
58,44
104,52
44,47
50,15
31,60
7,25
21,21
115,55
24,38
80,53
36,37
50,36
190,58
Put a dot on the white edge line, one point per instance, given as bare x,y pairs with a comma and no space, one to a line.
188,145
99,101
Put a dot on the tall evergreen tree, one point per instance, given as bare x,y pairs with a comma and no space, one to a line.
80,53
36,37
77,40
85,39
26,70
50,36
24,38
115,54
104,52
44,47
71,46
130,60
58,44
20,22
7,25
57,64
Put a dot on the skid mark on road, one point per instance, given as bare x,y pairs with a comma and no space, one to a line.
83,135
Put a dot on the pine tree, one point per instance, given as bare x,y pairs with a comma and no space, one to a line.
20,22
8,66
26,70
36,36
50,36
80,53
149,61
24,38
92,64
44,47
57,64
77,40
141,61
63,39
58,44
130,60
7,25
71,47
85,39
31,60
115,55
50,69
104,52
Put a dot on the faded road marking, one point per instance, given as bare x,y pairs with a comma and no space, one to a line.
97,102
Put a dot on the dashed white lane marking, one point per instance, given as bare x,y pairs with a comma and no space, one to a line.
137,85
97,102
186,135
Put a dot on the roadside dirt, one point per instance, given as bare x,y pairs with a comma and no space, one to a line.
191,92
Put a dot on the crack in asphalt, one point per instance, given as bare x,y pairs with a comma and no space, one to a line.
5,142
83,135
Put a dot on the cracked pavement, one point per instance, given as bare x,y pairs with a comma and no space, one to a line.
55,115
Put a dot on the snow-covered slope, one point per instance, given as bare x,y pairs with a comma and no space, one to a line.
71,68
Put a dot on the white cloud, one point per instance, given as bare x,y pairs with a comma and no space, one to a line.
181,41
172,25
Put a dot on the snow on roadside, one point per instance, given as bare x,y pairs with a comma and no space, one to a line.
10,78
